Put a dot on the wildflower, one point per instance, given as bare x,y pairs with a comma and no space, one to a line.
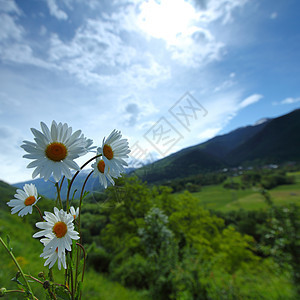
105,174
114,150
51,256
24,200
54,150
59,228
88,144
74,213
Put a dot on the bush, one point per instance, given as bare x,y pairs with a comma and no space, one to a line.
133,272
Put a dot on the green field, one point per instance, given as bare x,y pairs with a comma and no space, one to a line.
205,257
27,251
217,197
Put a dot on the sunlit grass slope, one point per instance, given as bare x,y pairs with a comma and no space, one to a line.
217,197
27,251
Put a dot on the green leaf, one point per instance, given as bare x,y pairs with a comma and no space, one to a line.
15,279
79,288
62,293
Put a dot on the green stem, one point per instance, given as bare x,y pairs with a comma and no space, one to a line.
79,230
84,261
39,212
52,294
80,202
50,274
19,268
75,175
72,280
18,291
58,195
61,183
34,278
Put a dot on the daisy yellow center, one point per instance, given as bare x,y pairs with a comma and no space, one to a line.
56,151
29,201
107,152
101,166
60,229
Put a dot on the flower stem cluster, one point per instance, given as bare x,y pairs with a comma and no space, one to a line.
53,155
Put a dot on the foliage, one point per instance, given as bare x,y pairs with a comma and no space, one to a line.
152,239
281,238
266,178
193,183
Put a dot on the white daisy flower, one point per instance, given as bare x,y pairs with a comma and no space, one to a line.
54,151
24,201
74,213
88,144
114,150
59,228
51,256
104,173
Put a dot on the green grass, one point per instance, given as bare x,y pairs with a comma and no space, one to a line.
27,251
217,197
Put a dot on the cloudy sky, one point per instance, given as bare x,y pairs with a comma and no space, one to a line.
168,74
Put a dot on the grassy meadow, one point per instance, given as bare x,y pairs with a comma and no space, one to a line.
217,243
27,251
216,197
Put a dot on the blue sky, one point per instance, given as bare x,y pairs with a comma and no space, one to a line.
194,69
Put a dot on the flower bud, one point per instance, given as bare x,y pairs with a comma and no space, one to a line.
46,284
2,292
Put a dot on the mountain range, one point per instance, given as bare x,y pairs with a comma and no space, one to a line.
269,141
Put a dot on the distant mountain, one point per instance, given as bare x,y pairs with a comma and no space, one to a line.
269,141
48,189
222,145
278,142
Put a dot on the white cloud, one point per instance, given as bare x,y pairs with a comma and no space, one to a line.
274,15
250,100
97,54
55,11
290,100
7,102
129,74
9,29
43,30
9,6
226,84
212,10
185,29
177,23
209,133
135,108
197,48
23,54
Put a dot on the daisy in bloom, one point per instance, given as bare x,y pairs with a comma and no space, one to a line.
51,256
59,228
24,200
88,144
105,174
74,213
54,150
114,150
